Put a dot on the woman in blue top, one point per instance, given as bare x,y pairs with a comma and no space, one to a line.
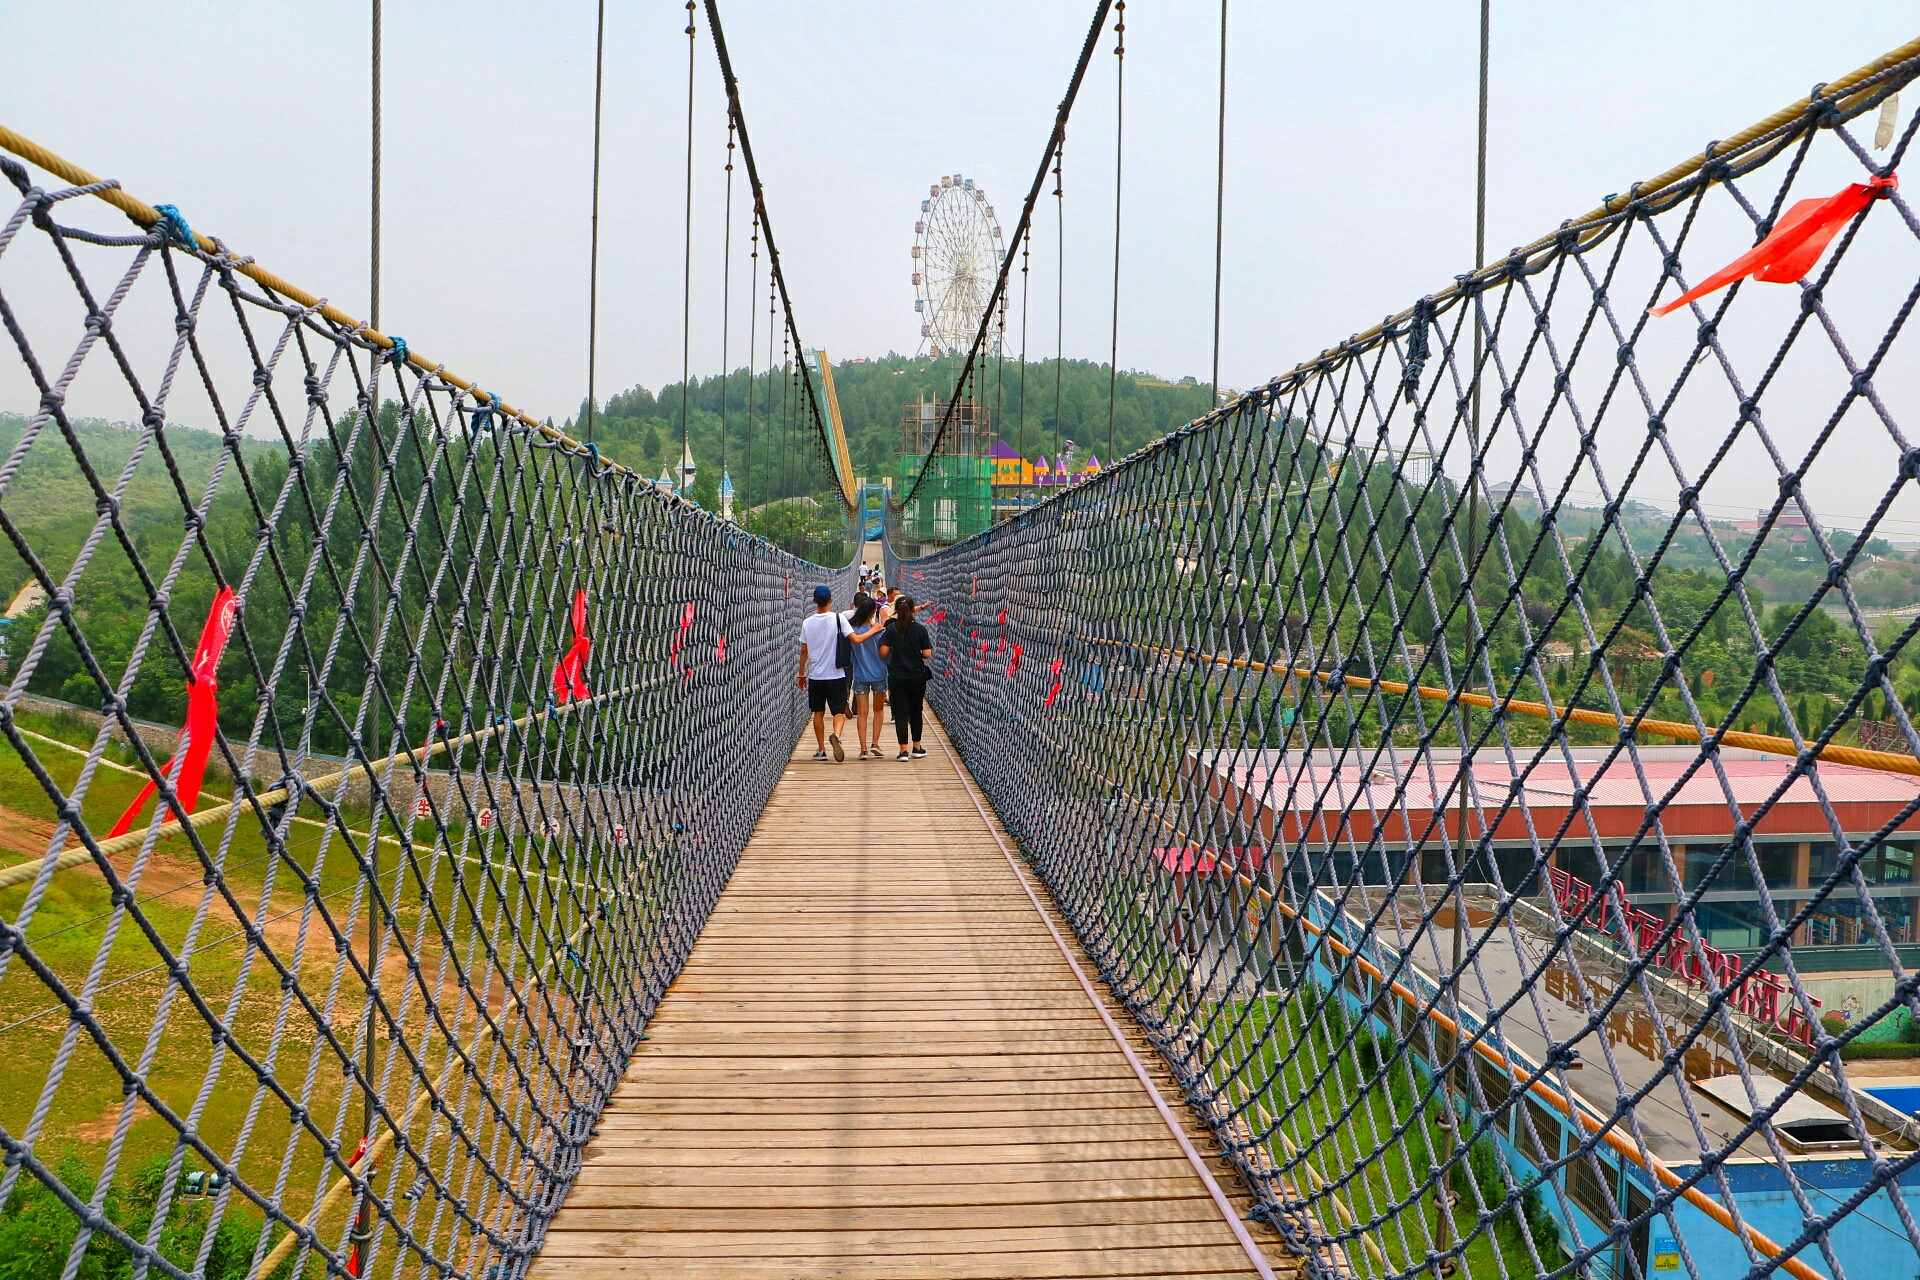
869,674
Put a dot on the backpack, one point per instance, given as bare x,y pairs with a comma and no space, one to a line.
843,646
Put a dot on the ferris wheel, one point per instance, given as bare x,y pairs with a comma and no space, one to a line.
957,251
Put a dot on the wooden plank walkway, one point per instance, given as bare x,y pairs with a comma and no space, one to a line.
879,1064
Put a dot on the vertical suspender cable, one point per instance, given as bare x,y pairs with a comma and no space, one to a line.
686,282
753,334
1000,370
363,1220
1479,260
726,300
1026,255
1059,290
1219,204
1119,152
593,251
373,220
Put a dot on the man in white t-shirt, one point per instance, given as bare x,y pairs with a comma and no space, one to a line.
821,674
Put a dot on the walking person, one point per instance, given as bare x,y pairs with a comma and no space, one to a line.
869,674
821,674
907,645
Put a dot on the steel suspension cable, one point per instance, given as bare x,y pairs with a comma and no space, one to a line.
1054,142
1219,206
1026,254
1059,287
686,284
1119,155
821,435
753,334
726,303
363,1212
593,238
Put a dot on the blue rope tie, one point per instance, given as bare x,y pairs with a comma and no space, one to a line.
173,226
399,353
482,419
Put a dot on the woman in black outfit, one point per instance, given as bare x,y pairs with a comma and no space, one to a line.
906,645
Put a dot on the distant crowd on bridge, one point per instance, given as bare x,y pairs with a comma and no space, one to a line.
867,658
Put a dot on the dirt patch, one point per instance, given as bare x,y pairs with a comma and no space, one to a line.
24,835
101,1127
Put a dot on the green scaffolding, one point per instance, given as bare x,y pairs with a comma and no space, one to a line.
954,502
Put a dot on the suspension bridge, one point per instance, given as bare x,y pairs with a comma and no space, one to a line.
1346,847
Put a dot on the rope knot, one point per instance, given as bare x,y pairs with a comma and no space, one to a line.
397,355
1417,350
173,227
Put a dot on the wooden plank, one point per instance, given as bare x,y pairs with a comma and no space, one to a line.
876,1064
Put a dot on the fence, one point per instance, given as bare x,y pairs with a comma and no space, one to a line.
1303,711
360,1018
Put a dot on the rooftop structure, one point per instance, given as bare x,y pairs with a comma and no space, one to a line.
1592,814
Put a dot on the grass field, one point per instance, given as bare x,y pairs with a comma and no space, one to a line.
76,1116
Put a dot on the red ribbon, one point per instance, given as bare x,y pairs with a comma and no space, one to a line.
353,1255
1053,668
1795,244
203,712
1013,665
1002,620
1053,693
720,650
569,677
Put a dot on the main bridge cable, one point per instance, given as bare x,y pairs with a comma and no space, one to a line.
825,444
147,216
1838,95
1054,141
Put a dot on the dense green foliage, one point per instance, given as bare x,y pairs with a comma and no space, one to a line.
342,473
37,1230
641,428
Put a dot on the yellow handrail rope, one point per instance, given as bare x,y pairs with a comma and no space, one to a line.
1651,1163
1613,204
1859,757
146,215
25,871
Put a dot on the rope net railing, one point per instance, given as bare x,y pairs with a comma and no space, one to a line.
1482,763
456,730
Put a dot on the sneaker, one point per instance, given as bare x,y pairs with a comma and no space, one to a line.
839,752
903,757
819,755
918,752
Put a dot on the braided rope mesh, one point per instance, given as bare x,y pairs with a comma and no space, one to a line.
1368,851
185,1014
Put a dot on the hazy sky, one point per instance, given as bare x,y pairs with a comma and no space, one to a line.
1350,154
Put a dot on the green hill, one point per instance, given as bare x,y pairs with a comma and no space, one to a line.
641,428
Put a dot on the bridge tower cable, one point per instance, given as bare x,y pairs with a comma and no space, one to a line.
1060,117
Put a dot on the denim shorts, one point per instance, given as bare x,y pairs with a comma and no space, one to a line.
869,686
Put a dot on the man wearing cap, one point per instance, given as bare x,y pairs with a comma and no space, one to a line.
821,674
